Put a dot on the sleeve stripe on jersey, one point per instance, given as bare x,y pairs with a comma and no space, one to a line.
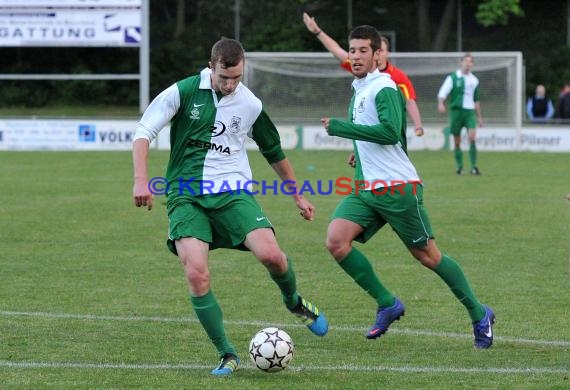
404,90
346,65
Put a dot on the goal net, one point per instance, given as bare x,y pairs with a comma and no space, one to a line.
300,88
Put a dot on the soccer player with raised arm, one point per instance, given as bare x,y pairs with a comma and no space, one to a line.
462,88
400,77
211,114
388,190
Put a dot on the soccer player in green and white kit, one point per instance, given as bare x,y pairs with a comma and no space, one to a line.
211,114
377,125
462,88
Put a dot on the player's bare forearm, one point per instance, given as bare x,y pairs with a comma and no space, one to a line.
284,170
141,193
333,47
330,44
414,112
140,156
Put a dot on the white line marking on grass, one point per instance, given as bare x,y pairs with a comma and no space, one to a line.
414,332
104,366
348,367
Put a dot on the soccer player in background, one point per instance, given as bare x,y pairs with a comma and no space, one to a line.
388,190
399,77
211,115
462,88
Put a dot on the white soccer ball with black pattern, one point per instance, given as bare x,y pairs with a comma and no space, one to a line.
271,349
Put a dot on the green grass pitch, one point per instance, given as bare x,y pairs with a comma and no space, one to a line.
90,298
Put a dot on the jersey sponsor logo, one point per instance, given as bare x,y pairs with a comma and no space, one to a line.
235,124
196,143
218,128
198,105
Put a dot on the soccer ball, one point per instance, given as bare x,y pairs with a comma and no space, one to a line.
271,349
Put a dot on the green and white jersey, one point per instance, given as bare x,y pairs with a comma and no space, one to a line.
463,90
207,134
377,124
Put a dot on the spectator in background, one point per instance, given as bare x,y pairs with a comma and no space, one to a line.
539,107
563,111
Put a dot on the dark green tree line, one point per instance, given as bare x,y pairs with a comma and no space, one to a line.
182,32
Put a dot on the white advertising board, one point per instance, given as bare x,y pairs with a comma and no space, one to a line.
66,134
498,139
87,134
82,26
68,3
494,139
316,138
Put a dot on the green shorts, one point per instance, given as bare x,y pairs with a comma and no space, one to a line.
223,220
399,206
460,118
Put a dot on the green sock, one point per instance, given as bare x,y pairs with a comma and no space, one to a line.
288,285
453,276
473,154
359,268
458,157
210,315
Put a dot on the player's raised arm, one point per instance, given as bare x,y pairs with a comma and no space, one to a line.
330,44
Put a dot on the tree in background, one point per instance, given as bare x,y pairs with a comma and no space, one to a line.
182,32
489,13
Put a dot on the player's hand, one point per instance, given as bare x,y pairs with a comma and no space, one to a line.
480,122
441,108
310,23
351,160
419,131
325,123
142,195
307,209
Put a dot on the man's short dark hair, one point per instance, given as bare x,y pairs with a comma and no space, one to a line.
366,32
228,52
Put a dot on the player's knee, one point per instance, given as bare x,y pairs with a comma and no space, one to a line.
337,248
271,257
430,257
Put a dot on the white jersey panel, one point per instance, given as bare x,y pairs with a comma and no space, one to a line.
382,165
471,83
226,165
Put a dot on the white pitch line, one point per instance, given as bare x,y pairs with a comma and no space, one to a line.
414,332
348,367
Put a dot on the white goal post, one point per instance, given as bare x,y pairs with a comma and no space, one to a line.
301,87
